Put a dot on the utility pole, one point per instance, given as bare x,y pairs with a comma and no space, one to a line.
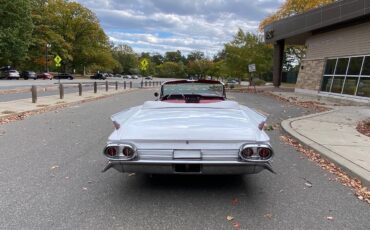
46,57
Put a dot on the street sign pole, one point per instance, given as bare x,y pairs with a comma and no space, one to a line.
252,70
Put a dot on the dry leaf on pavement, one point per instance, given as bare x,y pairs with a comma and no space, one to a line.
229,218
235,201
236,224
54,167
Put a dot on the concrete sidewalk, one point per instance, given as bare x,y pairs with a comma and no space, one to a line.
334,135
10,108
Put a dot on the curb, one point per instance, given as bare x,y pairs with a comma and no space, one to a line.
347,166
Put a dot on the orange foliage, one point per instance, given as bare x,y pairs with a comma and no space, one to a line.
293,7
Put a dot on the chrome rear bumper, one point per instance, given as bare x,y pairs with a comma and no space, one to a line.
188,167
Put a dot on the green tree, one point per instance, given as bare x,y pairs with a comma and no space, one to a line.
170,69
127,59
173,56
195,55
199,68
245,49
15,31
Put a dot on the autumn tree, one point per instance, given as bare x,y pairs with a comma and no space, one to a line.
293,7
74,33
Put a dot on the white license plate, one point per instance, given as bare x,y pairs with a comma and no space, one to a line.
187,154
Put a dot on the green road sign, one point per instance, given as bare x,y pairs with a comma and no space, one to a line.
144,64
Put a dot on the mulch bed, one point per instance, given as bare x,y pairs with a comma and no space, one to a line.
364,127
314,105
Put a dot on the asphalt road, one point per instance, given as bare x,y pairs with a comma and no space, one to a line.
50,179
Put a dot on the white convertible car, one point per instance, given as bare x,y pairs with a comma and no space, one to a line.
191,129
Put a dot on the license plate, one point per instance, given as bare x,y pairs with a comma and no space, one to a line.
187,154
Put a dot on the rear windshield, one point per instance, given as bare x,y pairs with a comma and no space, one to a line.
205,89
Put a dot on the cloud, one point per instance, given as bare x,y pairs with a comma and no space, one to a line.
167,25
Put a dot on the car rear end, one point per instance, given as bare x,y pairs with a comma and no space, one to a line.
189,139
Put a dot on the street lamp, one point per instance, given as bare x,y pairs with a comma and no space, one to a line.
46,57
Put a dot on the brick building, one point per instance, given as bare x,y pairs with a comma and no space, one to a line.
337,37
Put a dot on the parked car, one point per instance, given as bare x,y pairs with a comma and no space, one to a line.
148,78
134,77
118,75
98,76
28,75
64,76
10,74
45,76
191,129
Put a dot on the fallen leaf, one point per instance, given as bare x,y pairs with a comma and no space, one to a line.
268,215
229,218
84,188
235,201
330,218
54,167
132,174
89,182
308,184
236,224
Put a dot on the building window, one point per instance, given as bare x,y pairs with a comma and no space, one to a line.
347,75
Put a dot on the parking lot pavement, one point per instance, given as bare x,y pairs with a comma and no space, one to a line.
50,179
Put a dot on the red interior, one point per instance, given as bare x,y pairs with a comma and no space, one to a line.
201,101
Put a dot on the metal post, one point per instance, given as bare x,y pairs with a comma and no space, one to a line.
95,87
116,85
79,89
124,85
130,84
150,84
61,91
106,86
146,83
142,83
34,93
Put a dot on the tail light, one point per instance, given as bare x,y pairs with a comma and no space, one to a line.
264,153
128,152
246,153
110,151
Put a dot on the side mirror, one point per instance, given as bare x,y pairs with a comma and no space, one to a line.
156,94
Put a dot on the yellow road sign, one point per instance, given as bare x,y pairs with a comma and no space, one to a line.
57,59
144,64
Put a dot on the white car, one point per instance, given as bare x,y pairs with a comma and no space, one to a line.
191,129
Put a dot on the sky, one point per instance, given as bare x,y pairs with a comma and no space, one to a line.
158,26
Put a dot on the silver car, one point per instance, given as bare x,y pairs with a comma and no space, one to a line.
191,129
11,74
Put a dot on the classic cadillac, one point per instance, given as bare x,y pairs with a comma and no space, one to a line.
191,129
